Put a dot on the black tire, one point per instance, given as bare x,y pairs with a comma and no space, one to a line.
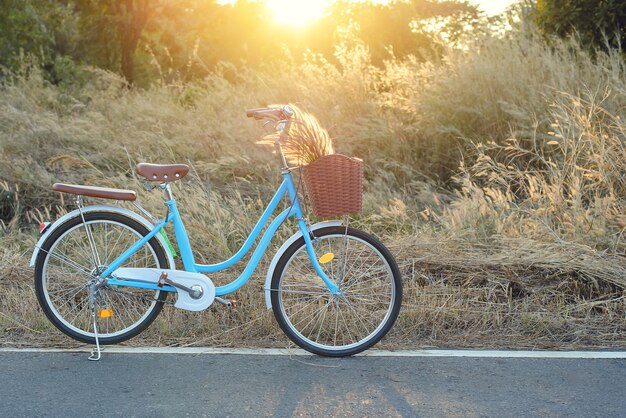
292,308
52,263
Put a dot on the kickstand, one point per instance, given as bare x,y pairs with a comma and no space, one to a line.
96,352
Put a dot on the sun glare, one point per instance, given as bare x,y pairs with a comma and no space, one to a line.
297,12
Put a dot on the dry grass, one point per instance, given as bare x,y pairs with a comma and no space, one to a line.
456,294
497,177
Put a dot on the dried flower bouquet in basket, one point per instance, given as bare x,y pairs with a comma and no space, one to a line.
334,182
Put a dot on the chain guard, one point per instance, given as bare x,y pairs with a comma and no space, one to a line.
185,278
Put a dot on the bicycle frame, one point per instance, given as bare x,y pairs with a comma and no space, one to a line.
287,187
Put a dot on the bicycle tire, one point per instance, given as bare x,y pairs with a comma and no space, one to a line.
291,302
149,302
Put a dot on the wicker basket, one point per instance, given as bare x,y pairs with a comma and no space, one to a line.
334,184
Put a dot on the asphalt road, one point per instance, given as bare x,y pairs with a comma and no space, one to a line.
167,385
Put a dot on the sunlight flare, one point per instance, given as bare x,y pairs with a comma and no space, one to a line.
297,12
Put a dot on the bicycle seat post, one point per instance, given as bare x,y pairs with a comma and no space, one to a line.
167,190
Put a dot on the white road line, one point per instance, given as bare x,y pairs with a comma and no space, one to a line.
369,353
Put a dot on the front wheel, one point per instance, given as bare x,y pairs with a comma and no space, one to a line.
351,321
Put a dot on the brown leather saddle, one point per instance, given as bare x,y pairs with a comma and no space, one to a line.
162,173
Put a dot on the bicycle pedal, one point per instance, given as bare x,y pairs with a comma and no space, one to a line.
231,303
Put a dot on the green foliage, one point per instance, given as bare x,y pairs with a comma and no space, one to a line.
599,23
45,29
22,28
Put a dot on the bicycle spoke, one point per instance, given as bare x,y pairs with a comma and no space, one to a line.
69,298
82,308
313,317
347,327
317,338
121,233
294,314
79,246
360,316
69,262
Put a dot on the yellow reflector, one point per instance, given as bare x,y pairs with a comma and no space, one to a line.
105,313
326,258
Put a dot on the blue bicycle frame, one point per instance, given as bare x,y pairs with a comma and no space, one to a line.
287,187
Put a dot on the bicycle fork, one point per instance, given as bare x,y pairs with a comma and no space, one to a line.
308,241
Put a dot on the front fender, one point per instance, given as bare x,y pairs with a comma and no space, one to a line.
100,208
282,249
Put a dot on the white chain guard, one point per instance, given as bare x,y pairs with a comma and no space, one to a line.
186,278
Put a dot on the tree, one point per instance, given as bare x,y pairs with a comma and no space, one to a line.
402,24
124,22
595,21
43,29
132,16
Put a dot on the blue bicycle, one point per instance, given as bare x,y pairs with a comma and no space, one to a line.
103,273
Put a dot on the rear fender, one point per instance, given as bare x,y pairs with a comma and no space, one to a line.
282,249
101,208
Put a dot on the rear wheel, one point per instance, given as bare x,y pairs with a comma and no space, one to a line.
66,266
337,325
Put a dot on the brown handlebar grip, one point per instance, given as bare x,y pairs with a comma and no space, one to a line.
251,112
267,113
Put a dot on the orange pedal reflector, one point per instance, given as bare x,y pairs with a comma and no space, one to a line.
326,258
105,313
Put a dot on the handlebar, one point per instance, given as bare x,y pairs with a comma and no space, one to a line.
283,116
274,113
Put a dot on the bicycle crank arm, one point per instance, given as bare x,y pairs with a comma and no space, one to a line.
195,291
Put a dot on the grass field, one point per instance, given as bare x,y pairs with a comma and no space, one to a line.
497,176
